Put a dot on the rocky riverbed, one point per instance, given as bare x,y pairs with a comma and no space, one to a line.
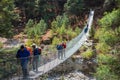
76,69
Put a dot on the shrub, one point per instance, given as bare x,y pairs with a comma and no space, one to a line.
109,36
37,29
56,41
77,30
104,73
61,31
110,19
105,58
59,22
88,54
102,48
71,34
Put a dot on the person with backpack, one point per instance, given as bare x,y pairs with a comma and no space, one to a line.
36,54
64,47
29,49
60,53
86,29
23,55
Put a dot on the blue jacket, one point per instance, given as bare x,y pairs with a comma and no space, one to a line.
23,55
59,47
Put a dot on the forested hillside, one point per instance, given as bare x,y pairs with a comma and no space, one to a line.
63,20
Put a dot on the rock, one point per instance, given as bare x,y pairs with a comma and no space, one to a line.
3,40
47,38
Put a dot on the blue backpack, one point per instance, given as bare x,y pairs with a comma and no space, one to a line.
36,51
59,47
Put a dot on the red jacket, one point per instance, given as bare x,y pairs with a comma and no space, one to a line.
64,45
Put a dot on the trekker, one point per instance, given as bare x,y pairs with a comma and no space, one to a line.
29,49
64,47
60,53
40,52
23,55
86,29
36,55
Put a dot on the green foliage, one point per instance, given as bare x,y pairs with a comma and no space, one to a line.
70,33
1,44
104,73
30,23
59,22
102,48
61,30
105,58
77,30
74,6
109,36
56,41
9,51
6,17
117,31
87,54
37,30
110,19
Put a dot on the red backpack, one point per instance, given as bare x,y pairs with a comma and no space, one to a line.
64,45
39,50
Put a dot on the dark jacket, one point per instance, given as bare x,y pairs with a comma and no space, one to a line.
23,55
36,52
59,47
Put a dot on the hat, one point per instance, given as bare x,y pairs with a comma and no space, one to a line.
33,45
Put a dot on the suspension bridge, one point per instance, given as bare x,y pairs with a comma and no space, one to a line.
72,47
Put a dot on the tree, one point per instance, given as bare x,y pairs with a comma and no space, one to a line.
6,17
74,6
36,30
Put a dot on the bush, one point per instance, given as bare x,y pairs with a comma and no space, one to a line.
29,24
110,19
9,51
77,30
88,54
59,22
56,41
109,36
104,73
61,31
37,29
102,48
105,58
70,33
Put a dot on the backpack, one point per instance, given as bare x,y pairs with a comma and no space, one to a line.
59,47
36,51
39,51
86,29
64,45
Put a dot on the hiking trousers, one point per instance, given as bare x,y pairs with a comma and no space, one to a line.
35,62
24,66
